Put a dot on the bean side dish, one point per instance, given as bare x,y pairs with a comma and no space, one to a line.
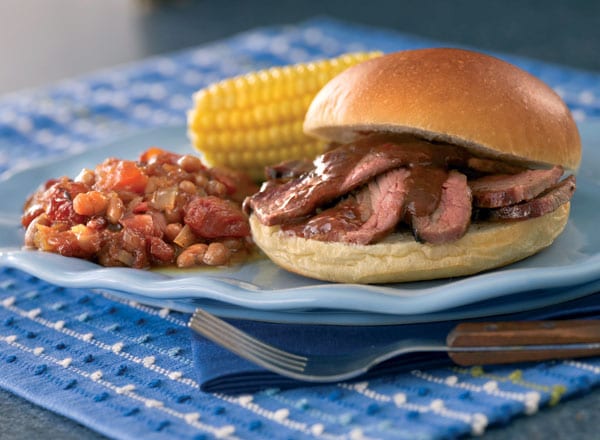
164,209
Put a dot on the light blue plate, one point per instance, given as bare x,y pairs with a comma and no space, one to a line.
569,269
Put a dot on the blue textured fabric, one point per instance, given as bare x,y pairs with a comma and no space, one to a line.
132,371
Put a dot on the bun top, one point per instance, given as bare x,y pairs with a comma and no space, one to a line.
457,96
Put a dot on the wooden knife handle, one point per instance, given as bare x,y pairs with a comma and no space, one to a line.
499,334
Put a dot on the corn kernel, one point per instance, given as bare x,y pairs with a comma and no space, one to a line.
259,116
221,120
247,120
237,140
262,139
235,119
225,138
250,140
212,141
275,135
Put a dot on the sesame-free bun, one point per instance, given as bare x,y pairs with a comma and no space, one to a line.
457,96
399,258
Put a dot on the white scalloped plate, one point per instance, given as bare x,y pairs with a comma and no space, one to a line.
260,290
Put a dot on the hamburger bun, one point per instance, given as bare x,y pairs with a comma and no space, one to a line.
461,97
488,106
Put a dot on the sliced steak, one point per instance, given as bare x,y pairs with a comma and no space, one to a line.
333,223
508,189
384,157
341,170
451,218
491,166
289,170
275,204
387,195
545,203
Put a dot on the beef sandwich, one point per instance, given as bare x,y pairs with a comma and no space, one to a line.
442,163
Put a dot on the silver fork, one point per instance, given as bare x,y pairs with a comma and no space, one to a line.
466,344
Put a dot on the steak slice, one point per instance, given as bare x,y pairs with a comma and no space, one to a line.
545,203
451,218
491,166
289,169
387,196
387,156
296,198
424,190
361,218
332,223
508,189
340,171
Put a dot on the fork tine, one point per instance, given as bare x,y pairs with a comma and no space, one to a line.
249,351
215,322
243,344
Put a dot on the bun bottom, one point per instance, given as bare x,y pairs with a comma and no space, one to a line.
399,258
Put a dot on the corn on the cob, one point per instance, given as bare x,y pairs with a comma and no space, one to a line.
253,120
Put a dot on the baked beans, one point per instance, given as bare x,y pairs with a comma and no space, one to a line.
164,209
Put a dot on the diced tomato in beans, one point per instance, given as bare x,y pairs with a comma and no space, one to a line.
155,153
165,209
212,217
121,175
56,199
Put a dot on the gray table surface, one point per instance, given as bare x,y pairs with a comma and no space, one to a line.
47,41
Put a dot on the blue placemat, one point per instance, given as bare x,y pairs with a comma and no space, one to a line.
127,370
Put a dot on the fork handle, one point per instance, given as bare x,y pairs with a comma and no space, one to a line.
523,334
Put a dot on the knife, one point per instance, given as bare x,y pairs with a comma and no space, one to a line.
483,343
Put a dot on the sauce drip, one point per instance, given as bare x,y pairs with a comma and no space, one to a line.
424,189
